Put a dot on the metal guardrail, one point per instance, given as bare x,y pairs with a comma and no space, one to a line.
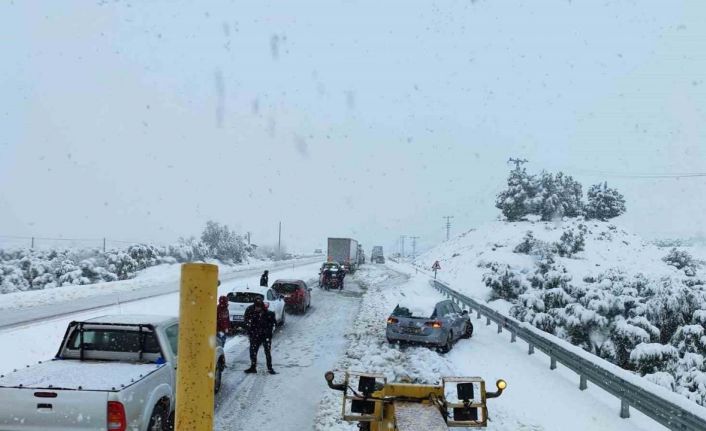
672,414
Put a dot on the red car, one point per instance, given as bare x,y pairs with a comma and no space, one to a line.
297,295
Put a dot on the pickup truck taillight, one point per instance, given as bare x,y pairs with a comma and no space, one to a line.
116,416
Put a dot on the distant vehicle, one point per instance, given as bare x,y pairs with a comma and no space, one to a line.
361,255
331,276
376,256
446,324
240,299
111,373
345,252
297,295
318,251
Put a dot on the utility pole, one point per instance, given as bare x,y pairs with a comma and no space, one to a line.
517,162
402,237
414,246
249,237
448,226
279,241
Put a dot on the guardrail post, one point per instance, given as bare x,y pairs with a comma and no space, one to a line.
583,382
500,327
552,363
487,321
513,337
478,315
624,409
531,349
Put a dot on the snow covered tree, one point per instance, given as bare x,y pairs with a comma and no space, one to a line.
559,195
223,243
517,200
604,203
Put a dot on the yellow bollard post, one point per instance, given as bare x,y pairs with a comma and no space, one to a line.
197,347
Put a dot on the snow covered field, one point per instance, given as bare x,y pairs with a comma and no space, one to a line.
536,398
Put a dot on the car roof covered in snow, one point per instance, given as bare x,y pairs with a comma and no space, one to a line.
133,319
289,280
252,289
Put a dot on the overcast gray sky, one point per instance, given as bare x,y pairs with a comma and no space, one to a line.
144,119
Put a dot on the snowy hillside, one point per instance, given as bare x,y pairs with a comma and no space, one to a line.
635,304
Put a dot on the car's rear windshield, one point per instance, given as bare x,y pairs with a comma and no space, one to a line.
114,340
406,312
285,287
244,296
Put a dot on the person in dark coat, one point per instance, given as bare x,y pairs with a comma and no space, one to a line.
222,320
260,324
265,278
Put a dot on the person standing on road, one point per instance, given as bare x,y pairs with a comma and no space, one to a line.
260,324
265,278
222,320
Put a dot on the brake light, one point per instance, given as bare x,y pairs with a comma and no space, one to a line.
391,320
434,324
116,416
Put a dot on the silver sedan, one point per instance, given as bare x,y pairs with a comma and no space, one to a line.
447,324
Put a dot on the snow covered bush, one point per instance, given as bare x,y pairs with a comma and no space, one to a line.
23,269
681,259
604,203
625,337
189,250
649,358
503,281
570,243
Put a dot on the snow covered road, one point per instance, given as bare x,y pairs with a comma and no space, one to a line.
303,350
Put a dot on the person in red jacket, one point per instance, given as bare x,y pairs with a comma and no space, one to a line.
222,320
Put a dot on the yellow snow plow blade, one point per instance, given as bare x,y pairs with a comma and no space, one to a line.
381,406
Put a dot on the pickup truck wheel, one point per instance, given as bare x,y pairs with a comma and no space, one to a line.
219,377
158,420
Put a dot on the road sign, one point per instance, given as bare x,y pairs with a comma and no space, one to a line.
436,267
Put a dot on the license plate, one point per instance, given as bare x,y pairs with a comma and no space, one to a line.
411,330
236,317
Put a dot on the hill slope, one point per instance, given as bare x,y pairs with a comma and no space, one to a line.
594,284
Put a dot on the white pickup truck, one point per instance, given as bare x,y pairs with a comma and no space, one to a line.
114,373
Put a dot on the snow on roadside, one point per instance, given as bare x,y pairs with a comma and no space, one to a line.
537,398
150,277
368,350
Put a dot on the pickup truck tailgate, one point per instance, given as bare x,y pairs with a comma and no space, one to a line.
25,409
